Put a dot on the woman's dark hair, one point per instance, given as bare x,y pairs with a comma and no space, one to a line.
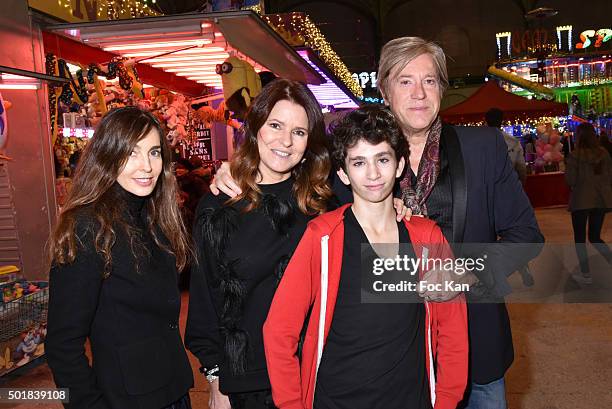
586,137
587,141
311,187
99,166
372,123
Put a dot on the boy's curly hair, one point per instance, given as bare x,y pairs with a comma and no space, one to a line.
372,123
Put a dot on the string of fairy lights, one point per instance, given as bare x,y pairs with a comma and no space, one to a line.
117,9
300,27
526,125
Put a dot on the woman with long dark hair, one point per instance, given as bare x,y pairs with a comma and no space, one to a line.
589,176
115,253
244,243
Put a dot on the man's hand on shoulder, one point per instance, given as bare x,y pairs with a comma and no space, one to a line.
223,182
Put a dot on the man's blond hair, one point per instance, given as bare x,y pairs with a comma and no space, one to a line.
398,53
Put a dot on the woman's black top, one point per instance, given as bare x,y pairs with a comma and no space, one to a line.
374,356
241,259
131,319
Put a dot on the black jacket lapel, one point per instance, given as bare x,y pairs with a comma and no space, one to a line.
458,181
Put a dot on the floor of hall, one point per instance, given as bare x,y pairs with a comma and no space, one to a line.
563,352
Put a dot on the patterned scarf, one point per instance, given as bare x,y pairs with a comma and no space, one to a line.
429,168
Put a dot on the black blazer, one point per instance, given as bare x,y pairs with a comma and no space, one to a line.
131,320
489,205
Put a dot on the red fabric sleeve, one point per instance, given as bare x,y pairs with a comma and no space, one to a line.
452,345
292,300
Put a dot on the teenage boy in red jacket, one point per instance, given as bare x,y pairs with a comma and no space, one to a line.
357,354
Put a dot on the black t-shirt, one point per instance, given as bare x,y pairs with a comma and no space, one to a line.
375,353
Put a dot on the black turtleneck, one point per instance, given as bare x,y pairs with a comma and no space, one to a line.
130,319
134,204
241,259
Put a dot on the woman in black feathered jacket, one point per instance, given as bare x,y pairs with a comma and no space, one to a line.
244,243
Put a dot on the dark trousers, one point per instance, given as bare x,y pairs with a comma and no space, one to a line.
252,400
594,218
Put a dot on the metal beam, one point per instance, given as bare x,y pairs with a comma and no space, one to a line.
32,74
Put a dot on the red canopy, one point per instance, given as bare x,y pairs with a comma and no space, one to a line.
490,95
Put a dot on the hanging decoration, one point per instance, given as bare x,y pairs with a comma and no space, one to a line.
3,122
76,90
208,115
241,85
54,94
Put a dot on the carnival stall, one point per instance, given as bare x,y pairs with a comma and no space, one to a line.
196,72
571,64
531,121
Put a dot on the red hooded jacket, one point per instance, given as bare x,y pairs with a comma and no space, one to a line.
312,279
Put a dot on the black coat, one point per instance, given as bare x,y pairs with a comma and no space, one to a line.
131,320
489,205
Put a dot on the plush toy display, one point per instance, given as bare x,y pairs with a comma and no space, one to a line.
548,147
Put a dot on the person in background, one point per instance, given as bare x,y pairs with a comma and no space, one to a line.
494,118
115,254
567,140
589,175
604,141
530,144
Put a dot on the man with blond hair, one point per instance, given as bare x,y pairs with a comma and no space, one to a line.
462,178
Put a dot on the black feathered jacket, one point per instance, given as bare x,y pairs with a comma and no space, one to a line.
241,257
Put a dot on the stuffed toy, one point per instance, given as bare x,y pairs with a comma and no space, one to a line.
240,85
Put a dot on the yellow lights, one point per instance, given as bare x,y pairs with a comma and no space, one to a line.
504,34
117,9
564,28
531,123
297,29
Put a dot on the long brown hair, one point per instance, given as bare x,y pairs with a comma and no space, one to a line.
311,187
588,143
586,137
97,171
